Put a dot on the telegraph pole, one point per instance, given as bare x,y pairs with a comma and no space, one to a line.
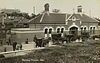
34,9
34,14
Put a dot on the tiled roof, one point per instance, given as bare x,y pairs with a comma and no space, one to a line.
50,18
83,17
58,18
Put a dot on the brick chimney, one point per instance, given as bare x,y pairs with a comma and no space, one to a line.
46,7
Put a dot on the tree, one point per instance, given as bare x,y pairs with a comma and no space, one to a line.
56,10
33,15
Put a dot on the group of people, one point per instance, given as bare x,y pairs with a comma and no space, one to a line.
16,46
38,43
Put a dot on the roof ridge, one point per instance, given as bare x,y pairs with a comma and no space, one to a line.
42,17
57,13
34,18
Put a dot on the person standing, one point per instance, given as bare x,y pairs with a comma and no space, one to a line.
14,45
9,41
35,41
35,38
26,42
5,49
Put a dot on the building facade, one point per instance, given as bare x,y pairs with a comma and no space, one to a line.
63,23
46,24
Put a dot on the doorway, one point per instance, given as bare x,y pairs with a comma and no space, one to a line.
73,31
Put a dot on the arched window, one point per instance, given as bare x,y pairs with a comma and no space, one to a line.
46,31
93,30
62,30
50,31
58,30
81,29
85,29
90,30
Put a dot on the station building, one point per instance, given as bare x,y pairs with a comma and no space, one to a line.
47,23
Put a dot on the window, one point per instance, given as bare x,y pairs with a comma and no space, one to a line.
62,30
93,30
79,9
90,30
85,29
46,31
81,29
58,30
50,31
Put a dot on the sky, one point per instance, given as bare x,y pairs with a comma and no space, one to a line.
90,7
